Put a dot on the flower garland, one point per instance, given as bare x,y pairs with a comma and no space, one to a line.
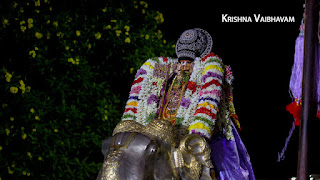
203,103
207,108
185,113
145,92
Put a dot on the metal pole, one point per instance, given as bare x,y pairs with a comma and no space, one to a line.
308,110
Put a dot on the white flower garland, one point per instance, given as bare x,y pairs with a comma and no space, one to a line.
205,71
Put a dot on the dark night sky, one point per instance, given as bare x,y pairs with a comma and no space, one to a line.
261,55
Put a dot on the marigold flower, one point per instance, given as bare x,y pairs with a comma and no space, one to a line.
11,118
127,40
48,35
7,132
131,70
30,20
24,136
48,22
15,4
40,158
55,23
37,3
60,34
98,35
127,28
107,27
113,20
30,26
118,32
5,22
55,130
89,46
143,11
38,35
22,86
24,173
78,33
9,171
32,53
159,18
147,37
23,28
145,4
13,90
28,88
37,118
29,154
71,60
8,77
104,10
0,148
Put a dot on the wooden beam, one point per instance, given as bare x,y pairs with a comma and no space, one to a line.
308,109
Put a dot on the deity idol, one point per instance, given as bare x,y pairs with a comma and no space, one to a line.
179,121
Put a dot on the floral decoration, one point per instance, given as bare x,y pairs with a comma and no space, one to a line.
202,104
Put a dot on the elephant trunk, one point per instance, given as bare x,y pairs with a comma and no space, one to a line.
110,167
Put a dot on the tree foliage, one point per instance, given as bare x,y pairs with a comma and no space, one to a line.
64,78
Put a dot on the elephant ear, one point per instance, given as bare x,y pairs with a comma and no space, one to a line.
196,156
106,146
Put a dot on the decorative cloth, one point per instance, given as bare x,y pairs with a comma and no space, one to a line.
296,86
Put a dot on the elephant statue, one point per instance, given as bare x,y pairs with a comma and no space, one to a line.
138,152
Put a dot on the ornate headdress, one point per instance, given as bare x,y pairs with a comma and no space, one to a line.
193,43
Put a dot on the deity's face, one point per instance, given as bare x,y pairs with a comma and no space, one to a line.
184,65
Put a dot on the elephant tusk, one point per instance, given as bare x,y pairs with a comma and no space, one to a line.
178,158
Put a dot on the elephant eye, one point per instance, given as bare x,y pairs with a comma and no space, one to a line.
152,149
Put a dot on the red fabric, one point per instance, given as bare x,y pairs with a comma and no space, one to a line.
214,81
295,110
137,81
